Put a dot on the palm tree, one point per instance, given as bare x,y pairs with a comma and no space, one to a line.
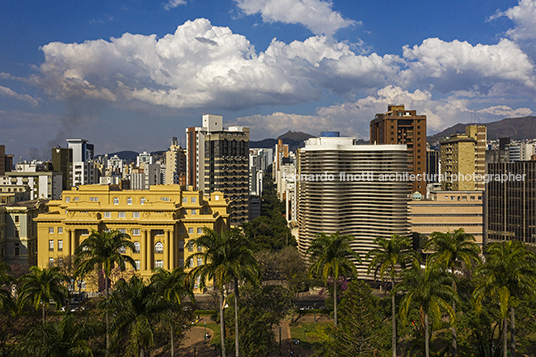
63,338
226,257
133,307
393,253
451,249
42,285
103,250
331,256
169,291
508,274
427,289
6,300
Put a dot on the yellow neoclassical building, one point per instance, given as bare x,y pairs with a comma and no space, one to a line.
160,221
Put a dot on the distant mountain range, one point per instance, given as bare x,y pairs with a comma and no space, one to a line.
514,128
294,140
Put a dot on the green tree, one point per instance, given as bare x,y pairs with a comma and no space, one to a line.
427,289
261,310
170,291
508,274
451,250
6,300
41,286
58,339
331,256
392,254
361,331
133,306
227,257
102,250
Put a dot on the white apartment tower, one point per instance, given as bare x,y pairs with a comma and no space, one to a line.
359,193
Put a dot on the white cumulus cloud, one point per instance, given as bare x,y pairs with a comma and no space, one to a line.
456,65
316,15
12,94
207,66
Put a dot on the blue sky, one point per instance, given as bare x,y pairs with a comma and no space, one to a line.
130,74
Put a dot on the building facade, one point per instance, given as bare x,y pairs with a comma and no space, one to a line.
464,156
217,159
160,221
6,161
402,126
511,203
175,164
18,231
447,211
357,200
45,185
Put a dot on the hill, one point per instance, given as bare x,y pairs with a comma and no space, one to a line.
515,128
294,140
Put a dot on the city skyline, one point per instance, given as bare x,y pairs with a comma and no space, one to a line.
129,76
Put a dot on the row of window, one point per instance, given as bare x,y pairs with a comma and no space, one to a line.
129,200
135,231
158,247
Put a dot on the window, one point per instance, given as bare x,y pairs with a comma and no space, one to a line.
193,211
121,214
76,199
135,214
190,247
107,214
199,261
60,245
129,201
122,230
194,199
116,201
217,197
82,285
199,248
159,248
181,245
60,230
181,230
94,199
67,199
138,264
190,230
17,249
159,264
84,232
164,199
159,232
50,262
199,230
16,219
185,200
122,250
51,245
181,262
136,247
136,232
191,263
50,230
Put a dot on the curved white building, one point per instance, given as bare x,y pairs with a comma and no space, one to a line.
360,190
